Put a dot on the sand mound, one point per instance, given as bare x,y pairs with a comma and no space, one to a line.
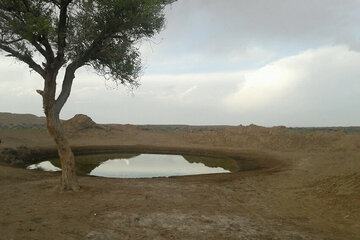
276,138
80,122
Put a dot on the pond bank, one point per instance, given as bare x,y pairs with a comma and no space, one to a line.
23,156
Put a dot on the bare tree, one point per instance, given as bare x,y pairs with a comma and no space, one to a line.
71,34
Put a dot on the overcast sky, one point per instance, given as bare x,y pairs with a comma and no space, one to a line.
279,62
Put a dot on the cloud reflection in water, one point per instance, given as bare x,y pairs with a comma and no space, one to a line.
152,165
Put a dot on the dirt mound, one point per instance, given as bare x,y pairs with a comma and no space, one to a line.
80,122
276,138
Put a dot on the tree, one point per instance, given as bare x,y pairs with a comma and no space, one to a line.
69,34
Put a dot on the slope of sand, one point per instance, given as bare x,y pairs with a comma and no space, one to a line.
309,188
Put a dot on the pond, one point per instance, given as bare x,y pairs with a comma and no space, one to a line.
145,165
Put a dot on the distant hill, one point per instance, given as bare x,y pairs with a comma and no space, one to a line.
191,128
30,121
347,130
22,121
14,118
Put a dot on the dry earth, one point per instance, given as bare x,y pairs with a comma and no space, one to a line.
309,188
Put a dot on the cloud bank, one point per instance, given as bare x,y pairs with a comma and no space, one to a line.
293,63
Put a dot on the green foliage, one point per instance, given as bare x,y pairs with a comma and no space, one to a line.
19,21
99,33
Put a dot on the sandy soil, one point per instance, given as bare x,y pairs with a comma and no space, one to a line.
309,188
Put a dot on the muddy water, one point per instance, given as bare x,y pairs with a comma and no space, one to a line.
144,165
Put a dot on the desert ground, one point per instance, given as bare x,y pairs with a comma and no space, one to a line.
308,185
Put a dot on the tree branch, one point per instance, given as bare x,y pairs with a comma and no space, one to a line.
41,50
56,2
66,88
24,58
26,4
62,32
12,41
48,49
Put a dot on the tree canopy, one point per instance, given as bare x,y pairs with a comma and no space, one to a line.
99,33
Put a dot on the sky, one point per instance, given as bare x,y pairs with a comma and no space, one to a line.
270,63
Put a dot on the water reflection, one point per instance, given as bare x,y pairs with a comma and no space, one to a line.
143,165
45,166
152,165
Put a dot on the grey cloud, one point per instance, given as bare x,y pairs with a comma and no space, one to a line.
263,20
209,30
187,99
315,88
224,41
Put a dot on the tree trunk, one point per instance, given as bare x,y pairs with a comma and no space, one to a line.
68,180
52,110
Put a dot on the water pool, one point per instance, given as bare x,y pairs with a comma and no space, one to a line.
143,165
